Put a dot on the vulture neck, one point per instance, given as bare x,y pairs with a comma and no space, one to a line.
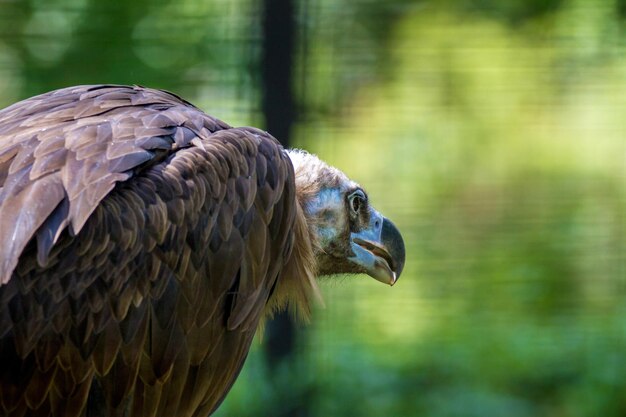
297,287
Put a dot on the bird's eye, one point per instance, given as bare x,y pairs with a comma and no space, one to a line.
357,200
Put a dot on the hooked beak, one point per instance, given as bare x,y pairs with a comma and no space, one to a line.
379,249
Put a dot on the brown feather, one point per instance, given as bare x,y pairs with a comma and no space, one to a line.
180,227
19,225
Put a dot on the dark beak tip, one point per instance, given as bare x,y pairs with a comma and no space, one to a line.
392,239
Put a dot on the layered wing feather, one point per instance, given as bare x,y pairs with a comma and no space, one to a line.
140,240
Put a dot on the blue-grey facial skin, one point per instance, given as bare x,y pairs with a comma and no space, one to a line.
328,208
361,241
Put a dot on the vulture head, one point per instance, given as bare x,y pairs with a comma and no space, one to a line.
349,235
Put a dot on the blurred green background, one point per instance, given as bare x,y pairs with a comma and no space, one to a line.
492,132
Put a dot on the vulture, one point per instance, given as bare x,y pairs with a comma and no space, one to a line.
142,243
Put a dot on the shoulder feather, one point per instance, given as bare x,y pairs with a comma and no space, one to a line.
62,152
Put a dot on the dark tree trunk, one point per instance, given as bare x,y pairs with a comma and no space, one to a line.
279,110
277,68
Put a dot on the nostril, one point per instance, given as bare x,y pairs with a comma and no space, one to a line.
377,224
